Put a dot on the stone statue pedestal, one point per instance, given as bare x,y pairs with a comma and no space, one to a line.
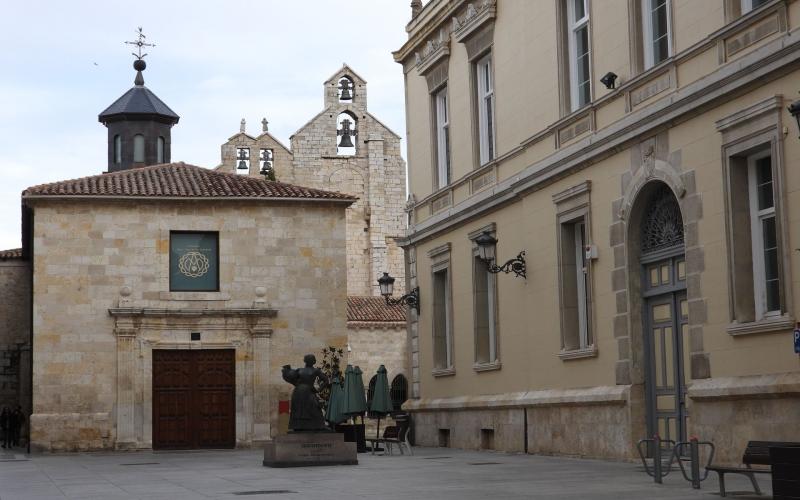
307,449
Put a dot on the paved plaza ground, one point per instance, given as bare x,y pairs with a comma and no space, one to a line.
432,473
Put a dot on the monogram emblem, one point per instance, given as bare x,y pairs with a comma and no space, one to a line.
193,264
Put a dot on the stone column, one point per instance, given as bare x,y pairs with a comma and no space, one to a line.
126,374
261,338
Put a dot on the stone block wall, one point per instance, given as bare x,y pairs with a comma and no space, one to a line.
91,389
593,422
14,333
375,346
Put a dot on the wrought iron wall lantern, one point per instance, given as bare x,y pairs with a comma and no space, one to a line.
486,250
794,109
411,299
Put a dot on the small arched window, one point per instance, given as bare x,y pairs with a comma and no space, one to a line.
160,150
138,148
117,149
399,392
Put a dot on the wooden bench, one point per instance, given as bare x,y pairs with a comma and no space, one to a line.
756,453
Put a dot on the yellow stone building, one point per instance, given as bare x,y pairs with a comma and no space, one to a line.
641,155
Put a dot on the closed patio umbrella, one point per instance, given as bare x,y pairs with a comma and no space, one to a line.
355,403
334,413
381,404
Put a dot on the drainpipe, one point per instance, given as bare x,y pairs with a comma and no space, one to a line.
27,253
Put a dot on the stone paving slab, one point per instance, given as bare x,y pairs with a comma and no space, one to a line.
432,473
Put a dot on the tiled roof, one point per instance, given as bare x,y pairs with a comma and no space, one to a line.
14,253
139,100
374,310
179,180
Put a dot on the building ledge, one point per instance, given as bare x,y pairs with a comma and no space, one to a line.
587,352
443,372
155,312
778,324
600,395
487,367
194,296
774,385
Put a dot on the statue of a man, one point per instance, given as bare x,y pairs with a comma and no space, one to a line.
305,413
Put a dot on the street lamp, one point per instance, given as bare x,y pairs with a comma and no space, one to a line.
411,299
486,251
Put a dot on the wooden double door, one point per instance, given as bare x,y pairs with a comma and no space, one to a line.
666,347
194,399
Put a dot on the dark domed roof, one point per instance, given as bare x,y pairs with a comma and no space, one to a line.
139,103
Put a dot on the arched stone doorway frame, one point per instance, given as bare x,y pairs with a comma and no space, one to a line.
652,164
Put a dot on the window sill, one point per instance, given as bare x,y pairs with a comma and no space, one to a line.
443,372
777,324
587,352
192,296
487,367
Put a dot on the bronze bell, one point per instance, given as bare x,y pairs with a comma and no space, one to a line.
242,165
344,86
346,133
345,142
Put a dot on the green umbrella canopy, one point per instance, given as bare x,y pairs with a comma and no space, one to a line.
381,400
334,414
355,402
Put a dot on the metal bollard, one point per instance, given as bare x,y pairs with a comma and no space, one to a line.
695,455
657,459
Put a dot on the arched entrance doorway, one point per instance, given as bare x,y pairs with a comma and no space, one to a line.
665,314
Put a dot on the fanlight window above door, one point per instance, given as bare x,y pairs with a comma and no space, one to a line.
662,226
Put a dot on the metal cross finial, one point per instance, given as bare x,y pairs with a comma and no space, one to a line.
139,44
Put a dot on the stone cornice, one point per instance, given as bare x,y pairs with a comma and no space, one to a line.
183,313
754,69
435,49
474,18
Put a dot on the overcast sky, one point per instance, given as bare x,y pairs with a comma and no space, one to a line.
62,63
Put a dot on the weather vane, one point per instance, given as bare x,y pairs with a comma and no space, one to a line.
139,44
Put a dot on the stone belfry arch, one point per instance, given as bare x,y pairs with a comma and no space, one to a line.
371,170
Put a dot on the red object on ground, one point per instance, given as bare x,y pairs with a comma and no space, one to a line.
283,406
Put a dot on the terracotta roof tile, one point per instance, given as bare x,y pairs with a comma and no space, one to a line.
14,253
178,180
374,310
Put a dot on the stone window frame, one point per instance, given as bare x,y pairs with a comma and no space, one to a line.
734,9
755,129
441,261
436,78
485,125
443,161
565,59
573,205
212,292
494,364
636,32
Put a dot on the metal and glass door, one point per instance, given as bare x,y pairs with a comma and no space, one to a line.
666,347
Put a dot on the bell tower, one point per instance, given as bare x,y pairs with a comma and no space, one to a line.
138,123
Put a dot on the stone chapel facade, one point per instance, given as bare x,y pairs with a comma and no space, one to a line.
164,297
